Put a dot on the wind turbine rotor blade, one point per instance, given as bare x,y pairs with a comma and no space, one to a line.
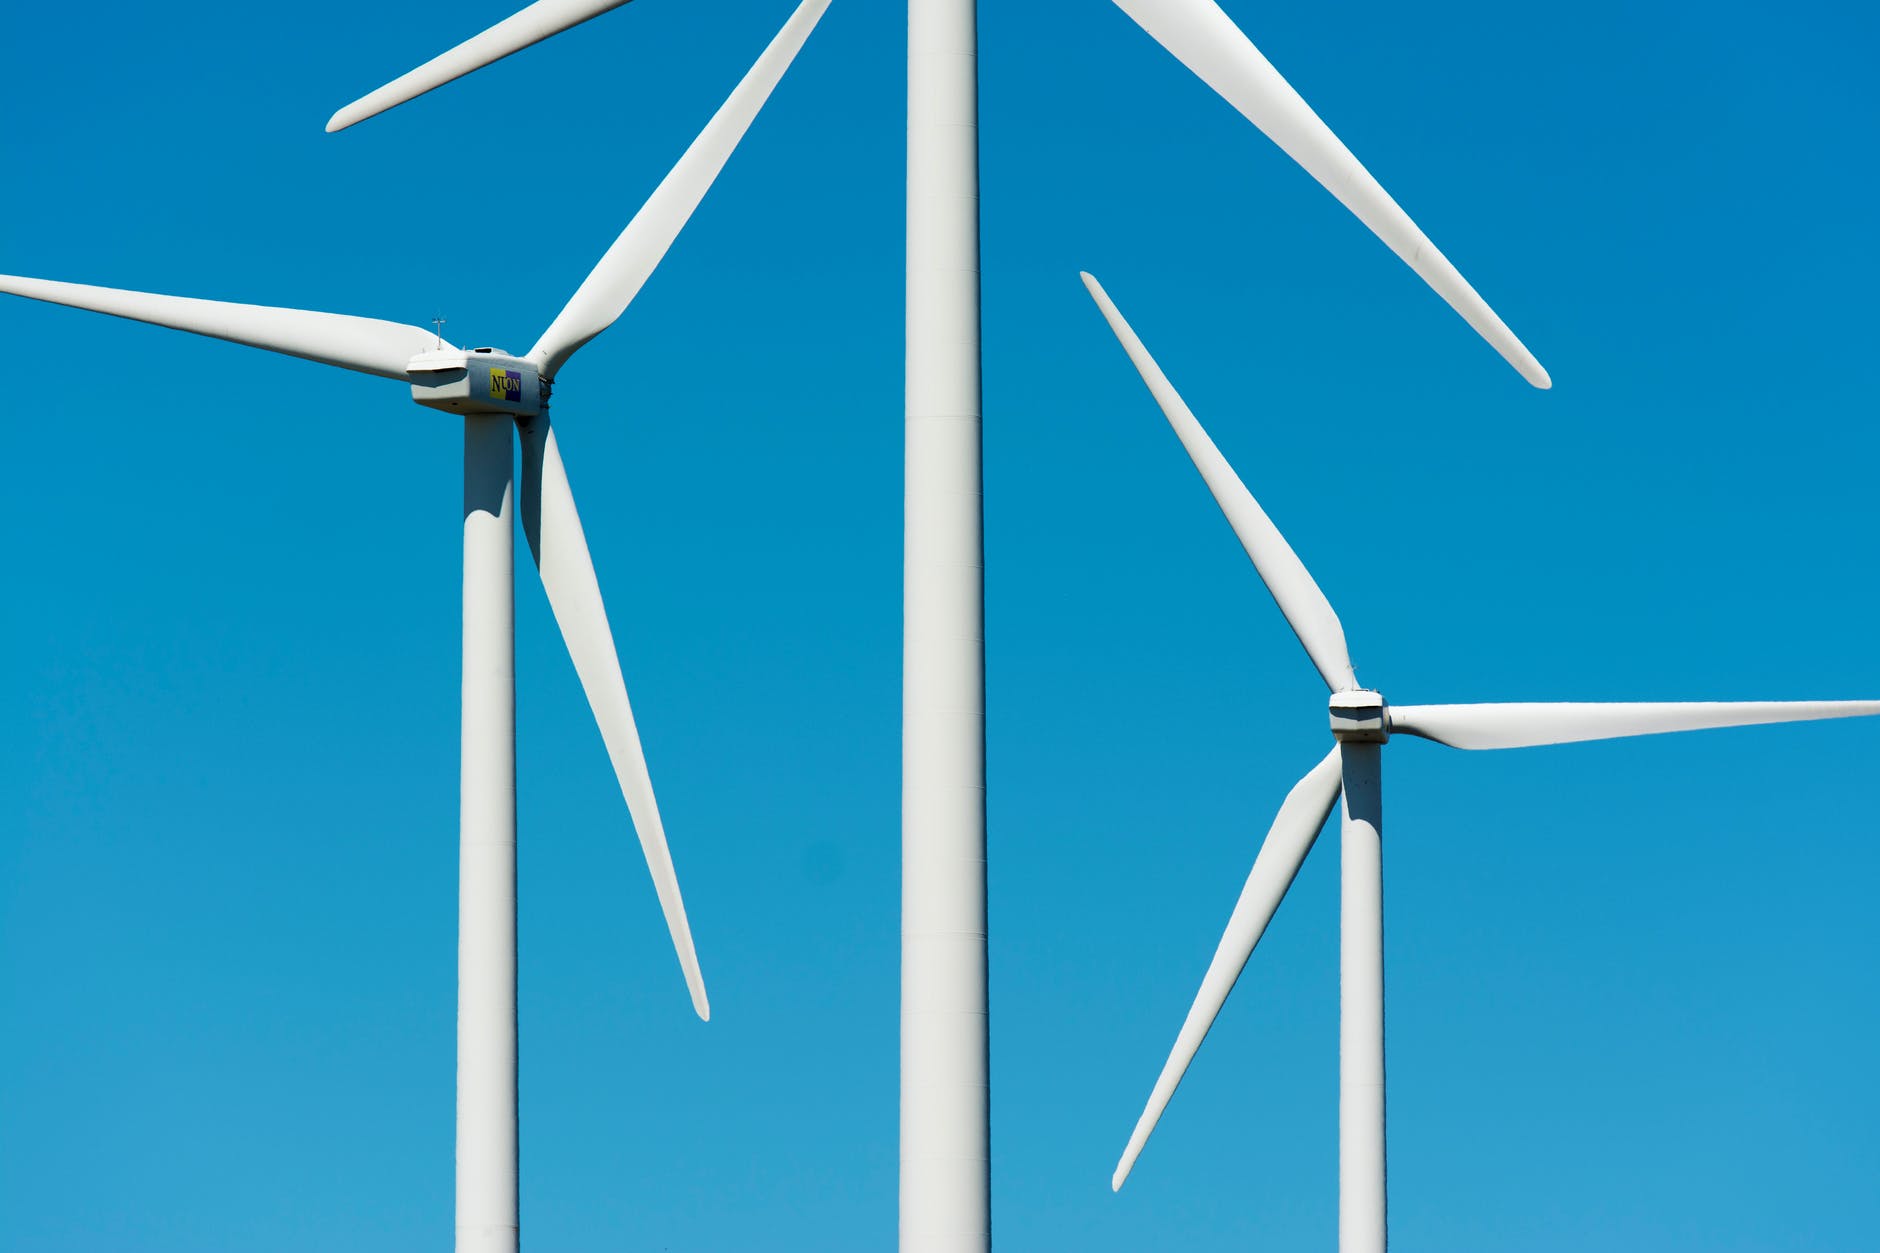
1205,39
607,291
363,344
1305,607
529,26
1530,725
561,554
1295,828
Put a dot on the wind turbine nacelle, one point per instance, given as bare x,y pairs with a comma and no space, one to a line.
1360,717
476,380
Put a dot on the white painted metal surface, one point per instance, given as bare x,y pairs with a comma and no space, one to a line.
514,33
1361,1003
945,1190
1362,722
487,1216
1205,39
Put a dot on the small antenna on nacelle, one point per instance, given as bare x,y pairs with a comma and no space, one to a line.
438,322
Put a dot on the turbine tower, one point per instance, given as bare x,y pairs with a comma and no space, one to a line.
946,1095
493,392
1361,724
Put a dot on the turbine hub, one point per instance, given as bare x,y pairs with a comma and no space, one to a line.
1360,717
477,380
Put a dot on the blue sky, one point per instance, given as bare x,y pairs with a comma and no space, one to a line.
1631,985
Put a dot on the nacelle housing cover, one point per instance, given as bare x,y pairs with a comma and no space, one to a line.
481,380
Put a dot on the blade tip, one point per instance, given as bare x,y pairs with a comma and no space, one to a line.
695,984
342,119
1529,367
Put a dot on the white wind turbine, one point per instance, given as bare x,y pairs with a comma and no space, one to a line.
1361,723
945,1178
494,391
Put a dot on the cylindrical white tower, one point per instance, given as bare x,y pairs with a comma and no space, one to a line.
1361,1005
945,1096
487,1215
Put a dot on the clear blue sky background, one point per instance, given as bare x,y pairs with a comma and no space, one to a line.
1632,986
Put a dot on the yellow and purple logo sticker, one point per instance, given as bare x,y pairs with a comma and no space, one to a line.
506,385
